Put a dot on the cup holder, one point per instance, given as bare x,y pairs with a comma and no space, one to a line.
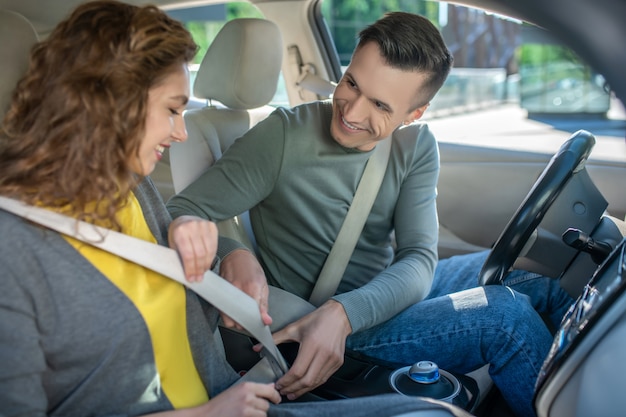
425,379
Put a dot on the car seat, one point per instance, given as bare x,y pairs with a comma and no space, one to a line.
238,77
18,36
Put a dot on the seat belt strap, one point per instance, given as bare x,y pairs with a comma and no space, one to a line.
227,298
341,252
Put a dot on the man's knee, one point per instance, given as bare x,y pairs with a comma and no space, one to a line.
512,306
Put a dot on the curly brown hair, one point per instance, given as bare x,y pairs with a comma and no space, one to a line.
77,118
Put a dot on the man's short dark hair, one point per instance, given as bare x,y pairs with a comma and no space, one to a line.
411,42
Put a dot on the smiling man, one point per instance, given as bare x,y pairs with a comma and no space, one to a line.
297,172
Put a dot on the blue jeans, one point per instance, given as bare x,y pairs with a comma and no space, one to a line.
462,327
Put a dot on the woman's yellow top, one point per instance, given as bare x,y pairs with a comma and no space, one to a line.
161,302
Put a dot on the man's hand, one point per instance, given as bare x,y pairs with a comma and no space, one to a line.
195,239
242,269
322,336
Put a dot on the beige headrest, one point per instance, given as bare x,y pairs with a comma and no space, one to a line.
242,65
17,36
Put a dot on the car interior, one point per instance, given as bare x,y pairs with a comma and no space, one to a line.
543,196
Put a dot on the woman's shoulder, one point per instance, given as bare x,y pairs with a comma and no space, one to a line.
26,250
12,225
22,238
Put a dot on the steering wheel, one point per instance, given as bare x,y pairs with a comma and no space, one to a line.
564,164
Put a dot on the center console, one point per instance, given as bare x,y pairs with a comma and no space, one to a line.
359,376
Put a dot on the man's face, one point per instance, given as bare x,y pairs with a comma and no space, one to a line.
372,99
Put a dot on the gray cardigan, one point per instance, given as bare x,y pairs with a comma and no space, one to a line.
71,343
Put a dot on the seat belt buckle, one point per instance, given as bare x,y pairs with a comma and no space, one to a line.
276,361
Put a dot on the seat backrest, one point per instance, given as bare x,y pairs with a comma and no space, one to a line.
17,37
238,77
240,71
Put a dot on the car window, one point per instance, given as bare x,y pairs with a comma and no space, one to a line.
204,23
504,70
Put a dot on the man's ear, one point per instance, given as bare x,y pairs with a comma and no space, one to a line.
416,114
419,112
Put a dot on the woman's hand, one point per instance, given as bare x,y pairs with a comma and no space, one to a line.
246,399
195,239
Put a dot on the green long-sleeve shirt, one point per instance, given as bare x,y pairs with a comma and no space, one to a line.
298,184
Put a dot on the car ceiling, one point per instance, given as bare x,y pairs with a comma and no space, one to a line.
594,29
